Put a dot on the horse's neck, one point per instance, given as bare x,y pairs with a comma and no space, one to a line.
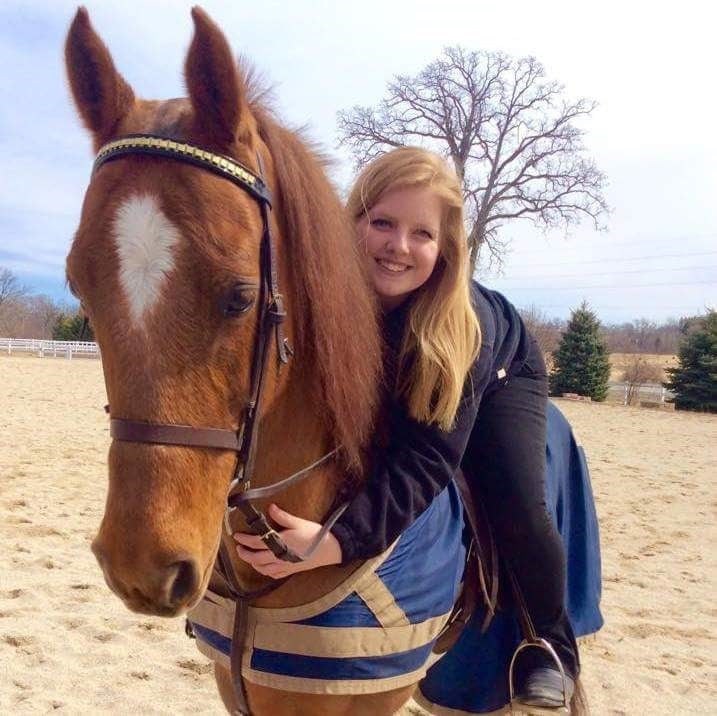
292,435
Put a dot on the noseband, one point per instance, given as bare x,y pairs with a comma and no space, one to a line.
270,320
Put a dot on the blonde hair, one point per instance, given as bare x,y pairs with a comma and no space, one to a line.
442,337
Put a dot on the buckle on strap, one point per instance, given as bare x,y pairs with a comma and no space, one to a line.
279,548
271,535
276,313
275,316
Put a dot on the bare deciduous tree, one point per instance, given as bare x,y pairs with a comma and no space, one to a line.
511,135
43,313
10,287
22,314
638,372
643,336
546,331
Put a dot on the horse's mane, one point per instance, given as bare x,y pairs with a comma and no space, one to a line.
331,303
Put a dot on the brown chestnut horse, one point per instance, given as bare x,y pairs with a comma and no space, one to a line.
166,262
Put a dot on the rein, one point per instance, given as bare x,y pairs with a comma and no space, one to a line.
271,318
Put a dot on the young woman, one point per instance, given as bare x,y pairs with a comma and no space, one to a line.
470,388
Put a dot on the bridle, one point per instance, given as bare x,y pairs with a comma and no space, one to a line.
270,321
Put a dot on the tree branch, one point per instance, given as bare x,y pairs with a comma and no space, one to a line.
510,134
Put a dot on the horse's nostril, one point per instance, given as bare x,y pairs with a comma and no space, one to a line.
186,581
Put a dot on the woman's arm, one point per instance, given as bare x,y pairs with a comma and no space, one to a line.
418,463
420,459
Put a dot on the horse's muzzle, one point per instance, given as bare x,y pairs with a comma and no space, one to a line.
163,590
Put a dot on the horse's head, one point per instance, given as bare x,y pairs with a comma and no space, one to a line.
166,262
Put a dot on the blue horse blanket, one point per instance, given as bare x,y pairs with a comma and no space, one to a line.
375,632
473,676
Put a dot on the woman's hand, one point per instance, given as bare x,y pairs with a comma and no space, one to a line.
298,535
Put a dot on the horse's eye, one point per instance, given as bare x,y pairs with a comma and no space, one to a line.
239,300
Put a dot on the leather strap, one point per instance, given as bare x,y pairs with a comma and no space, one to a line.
168,148
521,608
258,523
465,605
483,547
241,619
242,599
166,434
260,493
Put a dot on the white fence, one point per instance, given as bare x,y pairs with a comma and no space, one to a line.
649,393
49,348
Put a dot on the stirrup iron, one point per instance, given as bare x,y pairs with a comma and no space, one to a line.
545,645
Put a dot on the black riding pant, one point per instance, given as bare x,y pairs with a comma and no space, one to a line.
508,469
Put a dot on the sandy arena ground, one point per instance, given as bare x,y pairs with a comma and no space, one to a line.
68,644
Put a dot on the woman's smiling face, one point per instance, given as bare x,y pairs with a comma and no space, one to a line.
401,235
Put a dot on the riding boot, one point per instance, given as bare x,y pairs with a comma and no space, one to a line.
545,669
545,688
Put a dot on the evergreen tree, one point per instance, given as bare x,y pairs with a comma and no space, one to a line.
580,363
70,328
694,381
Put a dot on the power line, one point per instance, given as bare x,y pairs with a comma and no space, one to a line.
614,260
621,308
610,273
612,287
617,244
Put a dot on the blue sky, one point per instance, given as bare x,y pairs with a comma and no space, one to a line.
647,66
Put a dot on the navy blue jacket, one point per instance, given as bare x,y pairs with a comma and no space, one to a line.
421,459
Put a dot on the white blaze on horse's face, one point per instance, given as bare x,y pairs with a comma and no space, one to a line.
145,240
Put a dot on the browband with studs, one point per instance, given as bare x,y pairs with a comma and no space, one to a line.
160,146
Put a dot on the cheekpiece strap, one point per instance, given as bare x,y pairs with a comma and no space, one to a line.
160,146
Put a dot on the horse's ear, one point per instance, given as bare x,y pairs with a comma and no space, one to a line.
101,94
213,81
